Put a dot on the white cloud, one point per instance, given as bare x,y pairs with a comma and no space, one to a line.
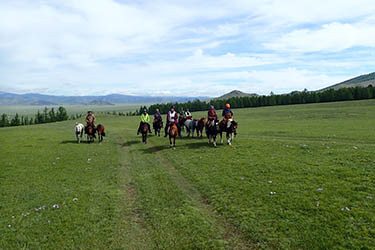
178,47
330,37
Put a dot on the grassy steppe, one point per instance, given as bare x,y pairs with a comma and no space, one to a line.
317,160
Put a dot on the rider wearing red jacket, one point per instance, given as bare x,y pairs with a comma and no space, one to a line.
211,115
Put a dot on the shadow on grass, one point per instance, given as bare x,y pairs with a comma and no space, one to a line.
155,149
130,143
195,145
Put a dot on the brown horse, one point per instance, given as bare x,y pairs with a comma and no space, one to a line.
144,131
173,131
200,126
101,133
230,131
90,133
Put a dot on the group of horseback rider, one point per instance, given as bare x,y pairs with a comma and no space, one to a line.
172,117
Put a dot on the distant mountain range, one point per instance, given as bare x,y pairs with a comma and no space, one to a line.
360,81
39,99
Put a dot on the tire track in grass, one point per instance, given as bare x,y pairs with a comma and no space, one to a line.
172,219
131,232
236,239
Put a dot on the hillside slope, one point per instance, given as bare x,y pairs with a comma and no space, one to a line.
234,93
360,81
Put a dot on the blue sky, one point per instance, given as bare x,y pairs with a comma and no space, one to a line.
186,48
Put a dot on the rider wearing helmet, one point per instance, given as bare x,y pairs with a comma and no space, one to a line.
172,117
227,115
211,115
145,118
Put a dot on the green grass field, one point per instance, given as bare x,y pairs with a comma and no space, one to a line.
317,160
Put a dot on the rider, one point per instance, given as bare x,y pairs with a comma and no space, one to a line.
228,115
172,117
90,120
211,115
145,118
157,116
182,112
188,115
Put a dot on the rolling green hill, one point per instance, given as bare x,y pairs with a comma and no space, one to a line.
360,81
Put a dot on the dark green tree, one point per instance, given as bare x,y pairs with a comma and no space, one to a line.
61,114
15,121
4,122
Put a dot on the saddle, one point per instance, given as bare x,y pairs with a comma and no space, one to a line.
90,125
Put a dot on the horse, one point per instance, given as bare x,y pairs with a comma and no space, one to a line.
173,131
157,125
212,131
200,126
190,126
181,122
79,128
90,131
231,131
101,133
144,131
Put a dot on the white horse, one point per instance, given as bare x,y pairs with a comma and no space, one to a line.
79,128
190,126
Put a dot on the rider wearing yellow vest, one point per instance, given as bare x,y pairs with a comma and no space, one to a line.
145,118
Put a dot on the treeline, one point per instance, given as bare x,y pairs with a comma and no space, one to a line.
46,116
296,97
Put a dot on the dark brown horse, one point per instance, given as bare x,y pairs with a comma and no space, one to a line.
101,133
181,122
157,125
200,126
173,131
230,131
90,131
144,131
212,129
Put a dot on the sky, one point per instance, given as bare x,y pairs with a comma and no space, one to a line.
183,48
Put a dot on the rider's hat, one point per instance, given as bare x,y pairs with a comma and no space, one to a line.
144,110
227,105
172,107
89,112
211,106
